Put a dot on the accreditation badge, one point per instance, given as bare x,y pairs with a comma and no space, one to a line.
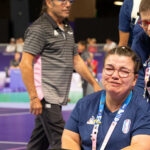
126,126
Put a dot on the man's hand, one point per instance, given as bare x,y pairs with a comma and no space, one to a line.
83,70
36,106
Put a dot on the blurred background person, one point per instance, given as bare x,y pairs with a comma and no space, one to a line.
11,47
92,46
141,45
15,62
94,65
82,49
128,18
19,45
85,55
109,45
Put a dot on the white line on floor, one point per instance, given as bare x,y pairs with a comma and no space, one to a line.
8,142
14,114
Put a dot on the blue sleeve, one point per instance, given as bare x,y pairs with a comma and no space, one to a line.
125,16
136,30
137,47
134,44
142,124
73,121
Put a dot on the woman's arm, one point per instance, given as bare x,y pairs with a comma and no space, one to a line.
70,140
139,142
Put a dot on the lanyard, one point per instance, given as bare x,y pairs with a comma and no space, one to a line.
97,122
147,79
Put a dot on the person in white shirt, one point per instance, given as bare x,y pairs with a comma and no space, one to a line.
11,47
109,45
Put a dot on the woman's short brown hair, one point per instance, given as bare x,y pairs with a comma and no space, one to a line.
126,51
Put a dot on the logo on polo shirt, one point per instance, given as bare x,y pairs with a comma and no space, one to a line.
69,32
91,120
56,33
126,126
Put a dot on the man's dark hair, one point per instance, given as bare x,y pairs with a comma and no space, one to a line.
144,6
44,7
126,51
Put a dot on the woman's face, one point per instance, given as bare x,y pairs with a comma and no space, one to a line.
118,74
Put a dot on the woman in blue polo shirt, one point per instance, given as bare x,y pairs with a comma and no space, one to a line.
128,26
115,118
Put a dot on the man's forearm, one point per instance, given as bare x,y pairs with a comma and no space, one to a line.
28,79
123,38
83,70
85,73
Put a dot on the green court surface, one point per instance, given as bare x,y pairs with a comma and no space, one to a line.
74,96
14,97
20,97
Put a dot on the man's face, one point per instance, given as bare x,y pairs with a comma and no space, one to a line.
145,21
60,8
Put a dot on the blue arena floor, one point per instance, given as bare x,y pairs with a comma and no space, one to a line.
16,126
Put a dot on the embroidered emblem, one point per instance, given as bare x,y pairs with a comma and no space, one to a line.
126,126
147,79
56,33
70,32
97,121
91,120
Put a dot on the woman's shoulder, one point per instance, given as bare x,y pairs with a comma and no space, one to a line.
139,102
141,36
92,98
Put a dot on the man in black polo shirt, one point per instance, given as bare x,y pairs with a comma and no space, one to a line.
47,63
